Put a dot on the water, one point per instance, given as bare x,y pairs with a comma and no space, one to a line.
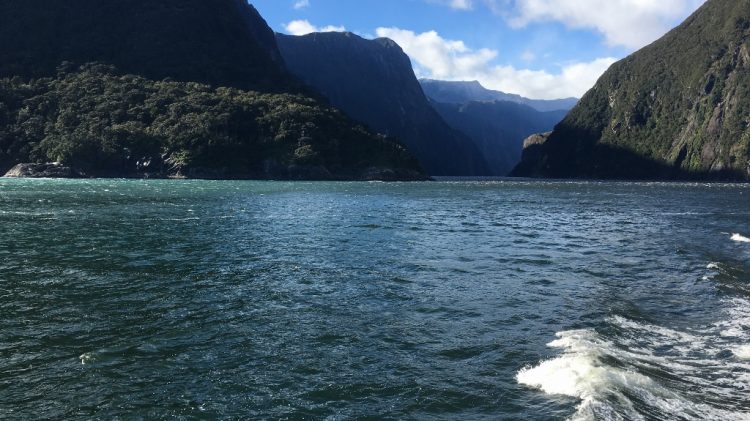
450,300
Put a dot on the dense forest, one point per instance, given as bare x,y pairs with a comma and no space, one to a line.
105,123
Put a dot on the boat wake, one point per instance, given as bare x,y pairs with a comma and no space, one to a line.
634,370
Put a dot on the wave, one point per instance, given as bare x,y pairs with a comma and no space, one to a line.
581,373
643,371
740,238
742,352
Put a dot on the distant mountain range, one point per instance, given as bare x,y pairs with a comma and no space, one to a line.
463,92
373,82
497,122
170,88
677,109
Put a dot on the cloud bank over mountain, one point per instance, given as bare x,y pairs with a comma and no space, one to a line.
435,57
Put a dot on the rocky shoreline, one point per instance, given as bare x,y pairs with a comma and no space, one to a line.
270,171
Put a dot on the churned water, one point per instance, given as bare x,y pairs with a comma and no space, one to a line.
443,300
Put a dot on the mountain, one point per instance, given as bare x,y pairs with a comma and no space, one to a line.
169,88
219,42
498,128
677,109
464,92
373,82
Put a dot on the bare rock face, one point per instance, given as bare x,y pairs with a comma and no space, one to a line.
535,139
50,170
533,153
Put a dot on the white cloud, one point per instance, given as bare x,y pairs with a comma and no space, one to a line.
629,23
301,4
439,58
455,4
303,27
461,4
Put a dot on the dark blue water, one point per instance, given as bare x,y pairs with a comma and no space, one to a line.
449,300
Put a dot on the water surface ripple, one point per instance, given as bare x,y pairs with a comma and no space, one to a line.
444,300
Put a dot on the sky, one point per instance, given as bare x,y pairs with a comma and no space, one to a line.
542,49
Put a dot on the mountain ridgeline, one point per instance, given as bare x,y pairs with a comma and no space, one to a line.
450,92
166,88
373,82
677,109
496,122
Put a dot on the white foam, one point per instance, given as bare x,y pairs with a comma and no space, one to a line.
605,373
87,358
740,238
742,352
712,266
579,373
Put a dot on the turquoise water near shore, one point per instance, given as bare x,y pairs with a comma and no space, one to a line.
436,300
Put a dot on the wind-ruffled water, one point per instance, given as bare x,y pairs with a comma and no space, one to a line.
444,300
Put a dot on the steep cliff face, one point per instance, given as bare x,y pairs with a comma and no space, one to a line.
449,92
219,42
679,108
498,128
169,88
373,82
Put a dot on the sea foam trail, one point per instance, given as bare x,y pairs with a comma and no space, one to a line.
611,374
740,238
579,373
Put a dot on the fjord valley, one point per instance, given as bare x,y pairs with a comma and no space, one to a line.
170,88
677,109
184,90
301,209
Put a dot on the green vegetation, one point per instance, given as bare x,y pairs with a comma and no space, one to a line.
679,108
108,124
163,88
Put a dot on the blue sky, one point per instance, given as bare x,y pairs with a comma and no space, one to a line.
536,48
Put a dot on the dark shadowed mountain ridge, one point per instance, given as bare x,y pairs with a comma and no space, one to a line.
498,128
373,82
677,109
218,42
